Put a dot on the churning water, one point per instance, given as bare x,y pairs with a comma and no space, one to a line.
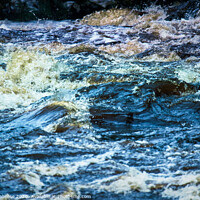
100,112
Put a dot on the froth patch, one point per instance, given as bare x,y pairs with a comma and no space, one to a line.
128,49
189,192
46,170
133,180
31,75
32,179
188,75
27,78
123,17
184,186
30,69
109,17
28,177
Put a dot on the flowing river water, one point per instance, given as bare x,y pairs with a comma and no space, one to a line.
100,111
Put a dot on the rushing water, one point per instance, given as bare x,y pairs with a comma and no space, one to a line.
100,112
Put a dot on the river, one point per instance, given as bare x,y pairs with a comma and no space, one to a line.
99,111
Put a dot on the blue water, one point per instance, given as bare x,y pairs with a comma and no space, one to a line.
93,125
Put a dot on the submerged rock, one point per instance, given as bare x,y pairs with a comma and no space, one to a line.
170,87
81,48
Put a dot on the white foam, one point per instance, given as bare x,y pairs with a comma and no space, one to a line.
188,75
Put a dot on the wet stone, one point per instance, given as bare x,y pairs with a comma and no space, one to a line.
186,50
3,66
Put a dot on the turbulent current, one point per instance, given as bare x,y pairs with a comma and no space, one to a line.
109,110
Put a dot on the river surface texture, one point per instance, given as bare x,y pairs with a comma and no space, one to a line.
100,111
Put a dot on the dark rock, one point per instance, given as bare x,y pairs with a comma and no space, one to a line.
87,7
25,10
186,50
145,53
141,3
3,66
20,10
183,10
104,3
146,37
170,87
